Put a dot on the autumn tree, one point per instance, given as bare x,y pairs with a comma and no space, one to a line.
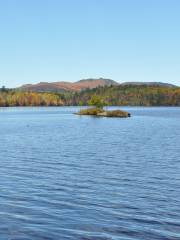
96,101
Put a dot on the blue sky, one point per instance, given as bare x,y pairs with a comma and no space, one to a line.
67,40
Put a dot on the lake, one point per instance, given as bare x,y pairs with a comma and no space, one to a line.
64,176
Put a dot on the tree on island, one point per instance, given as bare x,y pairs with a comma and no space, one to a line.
97,102
80,104
97,110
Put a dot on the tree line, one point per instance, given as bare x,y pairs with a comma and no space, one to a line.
10,98
129,95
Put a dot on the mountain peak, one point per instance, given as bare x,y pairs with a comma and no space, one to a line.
68,86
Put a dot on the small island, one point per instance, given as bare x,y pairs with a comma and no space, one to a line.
97,109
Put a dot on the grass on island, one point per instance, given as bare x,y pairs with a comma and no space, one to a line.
115,113
102,113
97,104
90,111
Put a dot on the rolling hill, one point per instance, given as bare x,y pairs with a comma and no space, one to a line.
158,84
68,86
84,84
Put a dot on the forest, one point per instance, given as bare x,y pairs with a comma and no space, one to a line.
10,98
129,95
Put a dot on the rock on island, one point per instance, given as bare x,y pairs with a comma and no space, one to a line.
104,113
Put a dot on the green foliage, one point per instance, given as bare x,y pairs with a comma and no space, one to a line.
96,101
131,95
128,95
80,103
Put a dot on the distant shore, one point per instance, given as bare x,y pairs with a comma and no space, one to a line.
128,95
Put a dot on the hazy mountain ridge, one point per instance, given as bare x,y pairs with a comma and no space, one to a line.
160,84
83,84
68,86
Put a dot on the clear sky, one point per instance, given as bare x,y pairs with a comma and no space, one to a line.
67,40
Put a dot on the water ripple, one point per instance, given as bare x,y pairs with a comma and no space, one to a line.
68,177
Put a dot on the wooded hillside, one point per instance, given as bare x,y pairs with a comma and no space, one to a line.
113,95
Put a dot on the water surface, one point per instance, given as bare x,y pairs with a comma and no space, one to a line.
63,176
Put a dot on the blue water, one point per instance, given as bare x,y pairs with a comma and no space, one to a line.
63,176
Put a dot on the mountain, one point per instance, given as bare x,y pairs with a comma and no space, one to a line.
83,84
68,86
160,84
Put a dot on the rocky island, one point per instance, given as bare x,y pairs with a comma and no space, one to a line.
96,109
100,112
